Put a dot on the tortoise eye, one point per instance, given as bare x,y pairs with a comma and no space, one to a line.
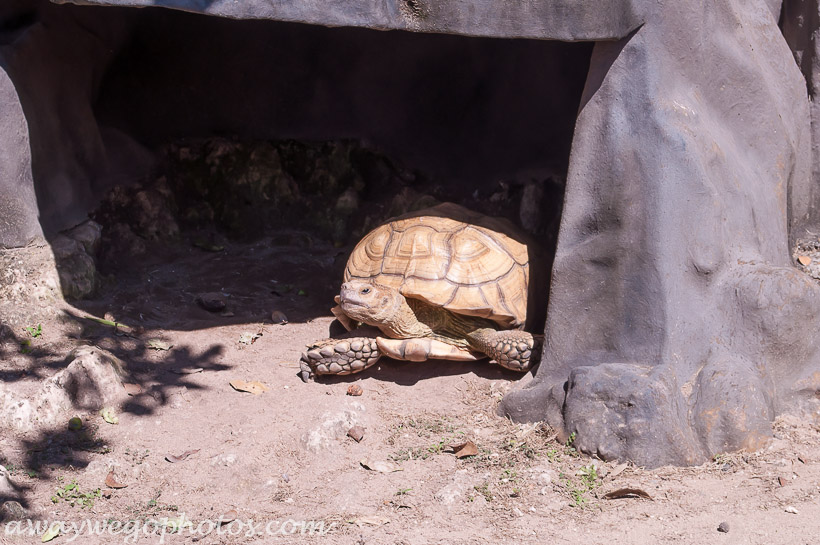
365,290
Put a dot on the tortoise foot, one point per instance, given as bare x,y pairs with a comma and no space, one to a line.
512,349
339,357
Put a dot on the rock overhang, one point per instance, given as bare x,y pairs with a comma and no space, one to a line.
567,20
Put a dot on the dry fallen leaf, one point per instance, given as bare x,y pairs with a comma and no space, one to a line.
782,481
618,470
52,532
174,459
464,449
111,481
627,493
109,415
380,467
157,344
804,260
230,516
254,387
249,338
373,520
132,389
177,524
187,371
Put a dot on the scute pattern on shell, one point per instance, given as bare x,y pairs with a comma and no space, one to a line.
463,267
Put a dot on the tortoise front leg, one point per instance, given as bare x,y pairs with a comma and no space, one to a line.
339,357
509,348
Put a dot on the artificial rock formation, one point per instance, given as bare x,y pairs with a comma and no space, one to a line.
677,326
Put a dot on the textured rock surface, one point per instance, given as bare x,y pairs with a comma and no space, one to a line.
18,205
677,327
66,151
555,19
74,252
329,428
91,380
29,284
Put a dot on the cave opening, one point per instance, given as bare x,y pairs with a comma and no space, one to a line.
217,129
473,116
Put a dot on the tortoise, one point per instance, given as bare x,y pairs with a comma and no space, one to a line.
444,283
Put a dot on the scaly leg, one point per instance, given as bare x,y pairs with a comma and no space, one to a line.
510,348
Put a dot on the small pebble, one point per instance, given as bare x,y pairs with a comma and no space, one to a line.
354,390
278,317
286,477
212,302
356,433
723,527
792,510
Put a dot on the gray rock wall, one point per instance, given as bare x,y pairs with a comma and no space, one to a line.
676,327
56,57
18,205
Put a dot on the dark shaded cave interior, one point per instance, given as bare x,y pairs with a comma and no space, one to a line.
478,117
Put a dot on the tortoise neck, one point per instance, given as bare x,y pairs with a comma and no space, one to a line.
404,324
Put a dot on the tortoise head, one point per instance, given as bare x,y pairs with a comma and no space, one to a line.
370,303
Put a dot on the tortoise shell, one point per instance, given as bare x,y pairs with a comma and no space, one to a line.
449,257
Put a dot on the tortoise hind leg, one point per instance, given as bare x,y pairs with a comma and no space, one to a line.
510,348
339,357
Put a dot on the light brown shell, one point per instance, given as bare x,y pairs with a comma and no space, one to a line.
466,265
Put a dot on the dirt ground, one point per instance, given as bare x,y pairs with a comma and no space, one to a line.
283,459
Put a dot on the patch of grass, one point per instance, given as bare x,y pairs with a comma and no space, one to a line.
402,455
508,475
589,477
425,426
518,448
137,456
150,508
442,432
484,490
71,494
34,331
578,488
524,448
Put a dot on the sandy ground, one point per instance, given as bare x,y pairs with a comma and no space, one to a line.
283,459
